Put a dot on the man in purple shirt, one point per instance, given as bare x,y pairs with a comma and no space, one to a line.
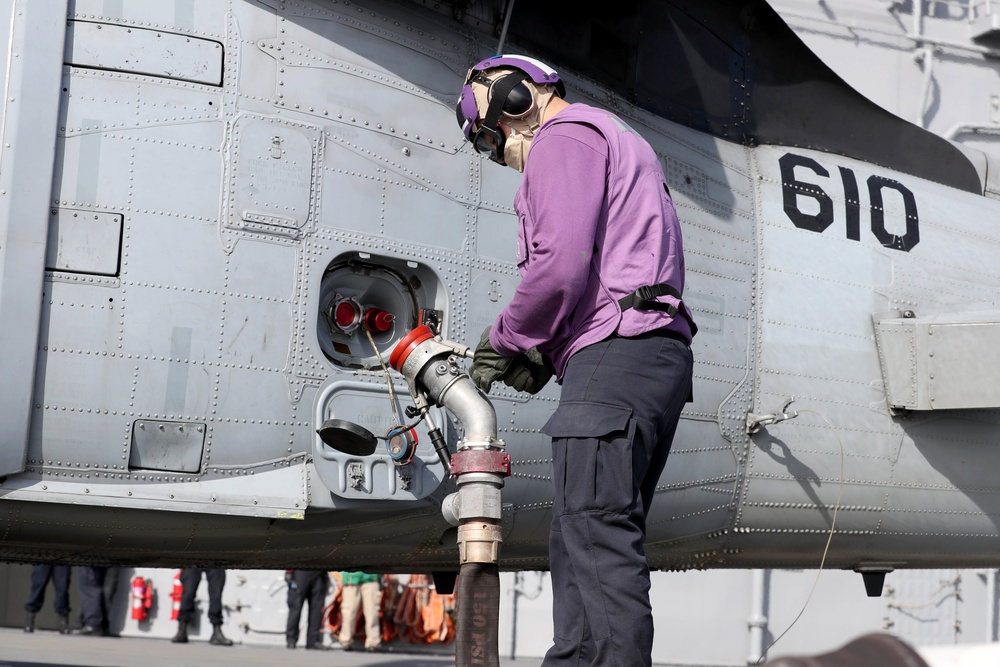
599,305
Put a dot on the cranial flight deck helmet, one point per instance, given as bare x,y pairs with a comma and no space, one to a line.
507,94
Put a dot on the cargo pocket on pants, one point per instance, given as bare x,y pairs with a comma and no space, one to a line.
592,457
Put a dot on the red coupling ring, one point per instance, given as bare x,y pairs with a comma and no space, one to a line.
480,460
409,343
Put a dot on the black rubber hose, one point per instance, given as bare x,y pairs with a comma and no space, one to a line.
477,606
441,448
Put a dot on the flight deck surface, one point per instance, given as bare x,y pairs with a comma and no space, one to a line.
50,649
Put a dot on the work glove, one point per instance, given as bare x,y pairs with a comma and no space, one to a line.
488,365
529,372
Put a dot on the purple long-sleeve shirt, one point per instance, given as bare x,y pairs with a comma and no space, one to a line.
596,222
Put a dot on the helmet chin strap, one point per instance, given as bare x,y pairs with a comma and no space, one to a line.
498,94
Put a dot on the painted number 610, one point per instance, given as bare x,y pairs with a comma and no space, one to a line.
792,189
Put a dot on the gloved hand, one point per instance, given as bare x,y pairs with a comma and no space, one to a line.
488,365
289,578
529,371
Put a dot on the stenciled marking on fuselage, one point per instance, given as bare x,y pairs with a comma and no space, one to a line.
792,189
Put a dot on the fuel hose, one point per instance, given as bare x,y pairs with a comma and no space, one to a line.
477,607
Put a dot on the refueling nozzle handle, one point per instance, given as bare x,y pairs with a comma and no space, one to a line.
460,349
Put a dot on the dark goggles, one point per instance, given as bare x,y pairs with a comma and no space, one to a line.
490,142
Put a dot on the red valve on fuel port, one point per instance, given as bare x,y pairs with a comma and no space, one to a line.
378,321
346,315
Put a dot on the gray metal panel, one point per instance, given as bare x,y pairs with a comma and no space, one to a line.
963,369
141,51
373,477
26,151
992,179
942,362
84,242
6,10
277,491
271,175
897,355
164,445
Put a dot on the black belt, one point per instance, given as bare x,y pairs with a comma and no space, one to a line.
644,299
657,333
670,333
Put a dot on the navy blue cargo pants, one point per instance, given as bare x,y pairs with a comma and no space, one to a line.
93,606
611,434
40,575
190,579
308,586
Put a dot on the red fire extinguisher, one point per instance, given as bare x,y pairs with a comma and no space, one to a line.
142,598
176,594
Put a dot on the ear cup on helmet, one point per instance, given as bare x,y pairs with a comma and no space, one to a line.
519,101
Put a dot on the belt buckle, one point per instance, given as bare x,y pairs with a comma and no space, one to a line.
643,295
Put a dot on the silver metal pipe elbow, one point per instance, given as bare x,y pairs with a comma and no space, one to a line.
433,365
472,409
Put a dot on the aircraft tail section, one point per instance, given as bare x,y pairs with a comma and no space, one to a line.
733,69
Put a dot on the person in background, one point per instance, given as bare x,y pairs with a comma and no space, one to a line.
93,609
40,576
110,590
360,590
190,579
311,586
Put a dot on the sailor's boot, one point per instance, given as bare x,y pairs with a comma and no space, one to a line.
182,633
218,638
63,624
29,622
